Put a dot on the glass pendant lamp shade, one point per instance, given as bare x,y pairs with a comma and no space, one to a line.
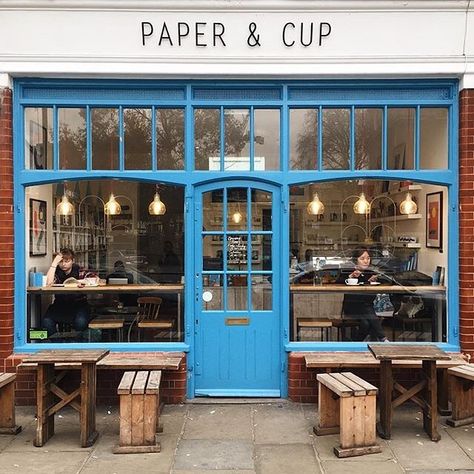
112,207
361,206
315,207
157,206
65,208
237,217
408,206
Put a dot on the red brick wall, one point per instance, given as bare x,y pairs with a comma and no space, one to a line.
466,223
6,226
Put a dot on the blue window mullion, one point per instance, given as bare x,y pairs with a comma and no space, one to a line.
352,140
154,161
284,132
121,141
88,139
249,249
320,139
55,139
252,141
384,138
189,163
224,245
417,137
222,138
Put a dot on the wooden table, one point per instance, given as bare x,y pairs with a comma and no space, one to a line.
426,388
47,388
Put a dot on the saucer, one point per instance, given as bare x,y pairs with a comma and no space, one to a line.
375,283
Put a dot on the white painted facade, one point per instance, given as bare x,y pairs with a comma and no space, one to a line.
358,39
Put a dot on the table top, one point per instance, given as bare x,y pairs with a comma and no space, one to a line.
72,356
131,288
338,288
384,351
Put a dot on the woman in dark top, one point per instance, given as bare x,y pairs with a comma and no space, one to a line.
360,306
67,308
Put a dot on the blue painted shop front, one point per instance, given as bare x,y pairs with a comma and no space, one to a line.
235,205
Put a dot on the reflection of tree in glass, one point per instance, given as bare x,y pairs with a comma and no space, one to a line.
236,133
170,138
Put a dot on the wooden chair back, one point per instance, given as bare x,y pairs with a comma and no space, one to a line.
148,307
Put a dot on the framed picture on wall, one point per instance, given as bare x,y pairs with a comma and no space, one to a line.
37,227
434,220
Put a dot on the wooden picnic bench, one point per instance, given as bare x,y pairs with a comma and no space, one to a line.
461,380
7,404
346,405
139,393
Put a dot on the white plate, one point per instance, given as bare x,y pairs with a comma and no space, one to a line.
92,284
375,283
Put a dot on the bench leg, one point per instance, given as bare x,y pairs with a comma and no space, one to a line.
430,413
462,401
7,410
357,415
88,400
328,409
44,401
443,392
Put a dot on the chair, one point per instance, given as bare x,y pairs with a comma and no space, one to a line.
148,316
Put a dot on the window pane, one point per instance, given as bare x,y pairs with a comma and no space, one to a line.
212,210
137,137
72,138
212,252
236,140
38,138
237,252
261,293
237,292
105,139
324,249
336,139
128,249
261,251
303,139
212,292
207,137
401,133
261,210
433,138
368,139
170,139
267,139
237,209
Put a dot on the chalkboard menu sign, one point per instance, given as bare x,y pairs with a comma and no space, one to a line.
236,250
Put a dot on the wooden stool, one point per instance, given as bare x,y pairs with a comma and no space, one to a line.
107,324
346,405
139,412
323,325
461,381
7,404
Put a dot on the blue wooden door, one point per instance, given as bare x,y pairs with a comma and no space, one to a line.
237,319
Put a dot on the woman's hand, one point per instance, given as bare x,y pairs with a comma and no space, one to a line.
373,278
355,274
57,260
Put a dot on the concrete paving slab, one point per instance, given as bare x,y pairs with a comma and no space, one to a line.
281,424
464,437
5,440
214,454
278,459
42,462
214,471
219,422
345,466
126,464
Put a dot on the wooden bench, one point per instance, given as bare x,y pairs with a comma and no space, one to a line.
329,361
139,412
346,405
461,381
7,404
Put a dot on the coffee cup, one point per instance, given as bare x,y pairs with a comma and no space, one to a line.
352,281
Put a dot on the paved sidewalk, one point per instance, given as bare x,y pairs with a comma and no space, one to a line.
263,438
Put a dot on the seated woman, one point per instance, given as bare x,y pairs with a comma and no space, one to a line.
68,308
120,272
360,306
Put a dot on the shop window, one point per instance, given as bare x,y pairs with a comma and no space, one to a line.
400,139
336,138
120,256
433,138
303,139
368,139
400,294
137,139
72,138
206,138
237,141
266,138
170,139
105,139
39,138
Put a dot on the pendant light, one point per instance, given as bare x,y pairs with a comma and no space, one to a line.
315,207
112,207
361,206
157,206
237,217
408,206
65,208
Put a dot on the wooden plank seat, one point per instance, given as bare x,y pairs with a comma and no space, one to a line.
461,382
108,324
329,361
139,412
7,404
346,405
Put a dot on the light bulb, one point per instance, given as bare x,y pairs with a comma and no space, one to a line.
408,206
112,207
237,217
361,206
157,207
65,208
315,207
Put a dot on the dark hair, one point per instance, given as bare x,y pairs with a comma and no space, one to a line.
66,252
356,253
119,264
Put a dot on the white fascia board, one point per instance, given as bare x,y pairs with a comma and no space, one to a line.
5,80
